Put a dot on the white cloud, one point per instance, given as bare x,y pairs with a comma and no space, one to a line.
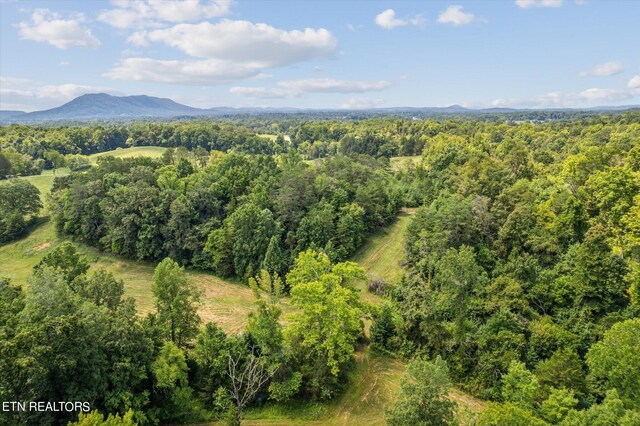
605,70
28,95
634,83
49,27
330,85
145,13
361,103
228,50
387,20
262,92
528,4
297,88
208,71
261,44
455,16
590,97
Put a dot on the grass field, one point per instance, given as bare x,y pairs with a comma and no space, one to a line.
44,181
136,151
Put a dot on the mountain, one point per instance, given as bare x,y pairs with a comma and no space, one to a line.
100,106
104,107
10,115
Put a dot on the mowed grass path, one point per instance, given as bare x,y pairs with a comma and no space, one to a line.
383,253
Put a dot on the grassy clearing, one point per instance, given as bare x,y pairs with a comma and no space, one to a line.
44,181
227,303
136,151
398,163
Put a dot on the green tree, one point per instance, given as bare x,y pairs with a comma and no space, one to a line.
323,333
563,369
19,205
383,329
5,166
95,418
557,405
610,412
520,386
423,397
613,362
56,159
170,372
65,260
508,414
210,355
176,299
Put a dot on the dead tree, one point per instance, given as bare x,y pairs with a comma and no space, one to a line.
247,380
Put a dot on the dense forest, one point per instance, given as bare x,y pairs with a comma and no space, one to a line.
520,284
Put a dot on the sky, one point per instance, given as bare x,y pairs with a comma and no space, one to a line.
323,54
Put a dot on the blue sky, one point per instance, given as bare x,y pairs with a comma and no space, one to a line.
323,54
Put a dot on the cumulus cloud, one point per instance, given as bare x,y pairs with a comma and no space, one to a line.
244,41
605,70
387,20
297,88
361,103
455,16
528,4
226,51
49,27
634,83
147,13
27,95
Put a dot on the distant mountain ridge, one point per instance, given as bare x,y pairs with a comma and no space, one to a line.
104,107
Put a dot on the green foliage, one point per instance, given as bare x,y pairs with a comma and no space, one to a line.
61,347
563,370
613,362
383,330
557,405
19,205
210,353
65,260
174,398
170,368
96,419
322,335
176,302
508,414
610,412
519,386
423,396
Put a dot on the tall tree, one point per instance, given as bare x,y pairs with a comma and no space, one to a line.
176,299
323,333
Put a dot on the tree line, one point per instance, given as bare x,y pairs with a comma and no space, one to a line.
233,214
